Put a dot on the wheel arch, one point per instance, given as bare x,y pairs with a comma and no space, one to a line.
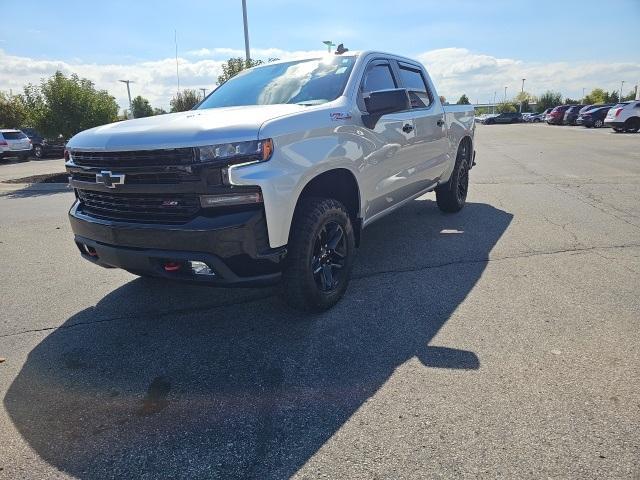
340,184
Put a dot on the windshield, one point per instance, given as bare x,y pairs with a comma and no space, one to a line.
306,82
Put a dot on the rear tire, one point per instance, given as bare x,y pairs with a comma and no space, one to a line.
452,196
321,254
618,130
632,125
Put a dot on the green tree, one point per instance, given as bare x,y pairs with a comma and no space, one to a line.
159,111
571,101
234,66
597,95
506,107
140,107
67,105
629,96
183,101
548,99
611,97
463,100
13,112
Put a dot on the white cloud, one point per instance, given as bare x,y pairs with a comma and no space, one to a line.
458,70
454,71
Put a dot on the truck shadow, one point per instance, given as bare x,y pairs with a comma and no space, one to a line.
166,381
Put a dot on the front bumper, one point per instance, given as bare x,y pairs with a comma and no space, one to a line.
233,245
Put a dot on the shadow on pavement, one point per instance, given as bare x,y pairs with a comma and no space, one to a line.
165,380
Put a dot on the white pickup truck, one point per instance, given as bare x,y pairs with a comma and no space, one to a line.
272,177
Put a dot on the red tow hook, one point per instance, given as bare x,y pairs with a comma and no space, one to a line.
172,266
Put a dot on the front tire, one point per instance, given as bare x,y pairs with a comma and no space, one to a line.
452,195
321,254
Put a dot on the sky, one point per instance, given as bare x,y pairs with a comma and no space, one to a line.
472,47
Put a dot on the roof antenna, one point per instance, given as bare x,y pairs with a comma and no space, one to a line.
340,50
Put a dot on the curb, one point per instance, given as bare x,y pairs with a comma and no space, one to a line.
35,187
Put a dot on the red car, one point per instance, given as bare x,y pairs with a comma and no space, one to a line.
556,116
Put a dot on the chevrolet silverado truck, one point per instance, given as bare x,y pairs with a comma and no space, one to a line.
272,177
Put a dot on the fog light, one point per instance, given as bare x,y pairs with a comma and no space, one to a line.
228,199
200,268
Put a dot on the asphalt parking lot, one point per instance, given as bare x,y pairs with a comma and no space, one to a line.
500,342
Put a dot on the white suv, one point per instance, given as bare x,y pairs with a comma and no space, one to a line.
14,143
624,117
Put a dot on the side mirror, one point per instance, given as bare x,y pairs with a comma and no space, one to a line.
382,102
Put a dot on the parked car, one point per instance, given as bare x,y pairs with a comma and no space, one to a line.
43,147
482,118
556,116
571,114
514,117
527,117
539,117
14,143
272,177
624,117
593,117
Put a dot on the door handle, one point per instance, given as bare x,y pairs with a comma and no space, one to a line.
407,128
440,122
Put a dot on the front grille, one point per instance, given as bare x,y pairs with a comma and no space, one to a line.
164,178
145,208
173,156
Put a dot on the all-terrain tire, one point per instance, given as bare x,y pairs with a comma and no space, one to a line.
303,288
451,196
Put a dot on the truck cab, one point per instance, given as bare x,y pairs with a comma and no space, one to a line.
272,177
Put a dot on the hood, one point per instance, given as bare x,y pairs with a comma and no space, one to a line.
184,129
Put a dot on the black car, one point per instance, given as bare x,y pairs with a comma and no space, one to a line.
42,146
571,114
594,117
504,118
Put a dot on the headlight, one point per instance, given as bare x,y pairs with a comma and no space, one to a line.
238,152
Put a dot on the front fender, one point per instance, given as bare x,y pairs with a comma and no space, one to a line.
297,159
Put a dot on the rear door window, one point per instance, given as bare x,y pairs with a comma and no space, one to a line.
414,82
13,135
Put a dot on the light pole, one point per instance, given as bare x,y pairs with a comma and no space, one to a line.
505,94
583,97
621,85
247,54
329,44
522,92
204,92
129,94
494,102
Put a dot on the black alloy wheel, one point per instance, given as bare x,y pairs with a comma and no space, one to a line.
329,257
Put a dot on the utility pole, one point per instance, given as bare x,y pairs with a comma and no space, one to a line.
175,39
204,92
247,54
638,90
494,102
505,94
129,94
583,97
621,85
522,91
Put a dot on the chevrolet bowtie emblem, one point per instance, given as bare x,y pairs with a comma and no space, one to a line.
109,179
